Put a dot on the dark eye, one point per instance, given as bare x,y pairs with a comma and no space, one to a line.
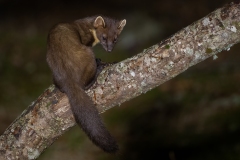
104,37
115,40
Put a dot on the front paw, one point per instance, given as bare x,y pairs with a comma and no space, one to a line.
101,64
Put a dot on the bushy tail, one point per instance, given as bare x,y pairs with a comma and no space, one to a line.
87,116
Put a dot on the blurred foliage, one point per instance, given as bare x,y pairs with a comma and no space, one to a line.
193,116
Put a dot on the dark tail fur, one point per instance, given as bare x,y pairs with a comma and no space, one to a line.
87,116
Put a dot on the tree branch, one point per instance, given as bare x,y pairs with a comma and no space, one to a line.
50,116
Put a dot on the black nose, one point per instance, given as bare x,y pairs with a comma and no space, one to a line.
109,47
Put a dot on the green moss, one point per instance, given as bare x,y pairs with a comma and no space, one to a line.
167,46
221,25
237,25
211,36
209,50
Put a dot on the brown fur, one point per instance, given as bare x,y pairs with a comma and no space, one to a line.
74,68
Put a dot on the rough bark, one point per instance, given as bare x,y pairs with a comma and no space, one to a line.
50,116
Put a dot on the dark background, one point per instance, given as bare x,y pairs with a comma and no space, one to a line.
195,116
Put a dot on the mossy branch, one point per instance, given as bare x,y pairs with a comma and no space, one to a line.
50,116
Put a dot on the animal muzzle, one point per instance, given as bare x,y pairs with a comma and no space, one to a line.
110,47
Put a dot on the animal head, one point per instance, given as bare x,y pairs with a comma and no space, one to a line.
107,31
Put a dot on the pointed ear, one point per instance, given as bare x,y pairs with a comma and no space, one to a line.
99,21
122,24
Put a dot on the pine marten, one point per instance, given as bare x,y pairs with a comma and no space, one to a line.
74,67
